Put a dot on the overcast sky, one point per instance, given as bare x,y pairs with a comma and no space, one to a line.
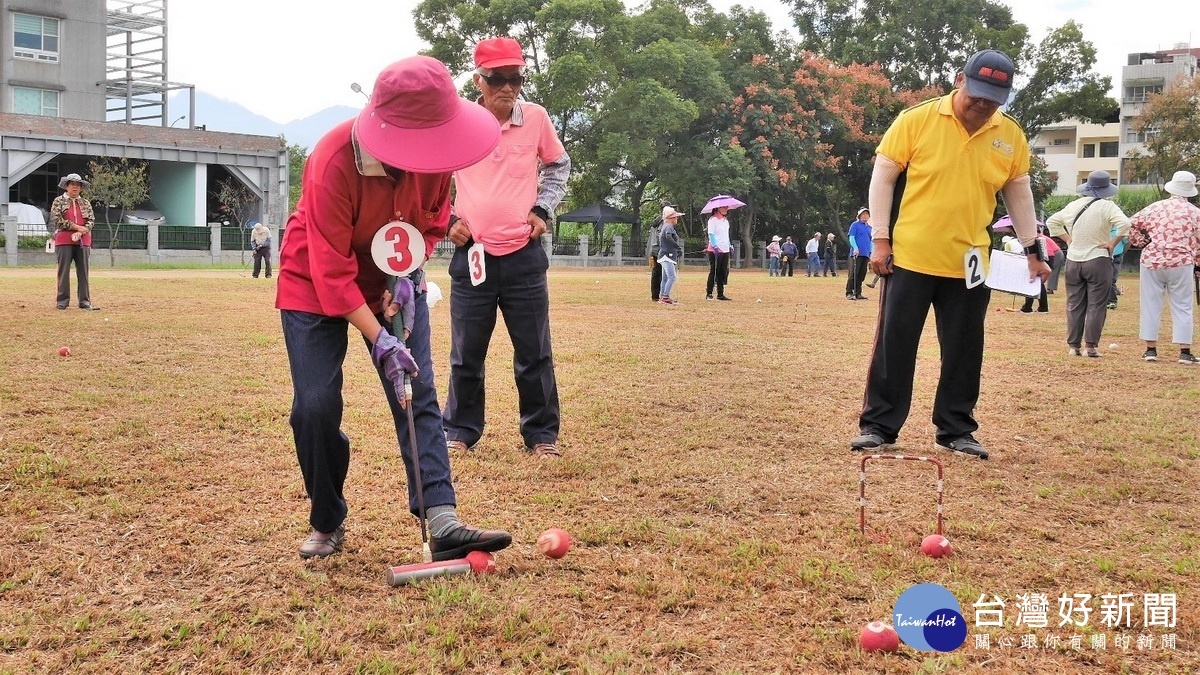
288,60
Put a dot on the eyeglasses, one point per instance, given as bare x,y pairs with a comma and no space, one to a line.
498,81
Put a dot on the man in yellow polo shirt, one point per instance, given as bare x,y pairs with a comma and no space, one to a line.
933,191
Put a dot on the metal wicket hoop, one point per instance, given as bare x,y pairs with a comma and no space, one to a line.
862,486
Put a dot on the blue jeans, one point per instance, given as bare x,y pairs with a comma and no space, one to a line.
516,285
773,267
814,265
669,273
316,347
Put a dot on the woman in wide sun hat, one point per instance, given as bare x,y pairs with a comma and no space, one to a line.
391,163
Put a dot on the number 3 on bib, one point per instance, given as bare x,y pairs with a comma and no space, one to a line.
973,267
398,248
476,264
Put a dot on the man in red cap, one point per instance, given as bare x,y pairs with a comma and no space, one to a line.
371,176
501,208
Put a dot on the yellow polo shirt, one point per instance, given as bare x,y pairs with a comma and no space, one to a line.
952,181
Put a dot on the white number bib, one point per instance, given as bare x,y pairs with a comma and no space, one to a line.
398,248
476,264
973,267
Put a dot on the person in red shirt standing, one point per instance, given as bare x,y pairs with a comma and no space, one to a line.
365,180
502,206
73,219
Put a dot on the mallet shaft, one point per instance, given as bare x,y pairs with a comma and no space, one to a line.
407,574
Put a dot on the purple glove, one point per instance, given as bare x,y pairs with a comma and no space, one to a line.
405,296
394,359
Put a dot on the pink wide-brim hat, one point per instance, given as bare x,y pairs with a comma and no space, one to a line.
416,121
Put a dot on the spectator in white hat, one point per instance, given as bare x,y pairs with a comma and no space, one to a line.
1169,232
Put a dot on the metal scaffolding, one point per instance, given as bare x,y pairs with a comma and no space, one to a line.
136,83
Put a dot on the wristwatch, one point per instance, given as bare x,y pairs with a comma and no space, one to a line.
541,212
1038,248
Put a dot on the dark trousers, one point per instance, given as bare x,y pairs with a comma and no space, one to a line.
905,299
1116,267
830,265
1043,305
655,278
262,255
1088,286
316,347
856,274
718,272
80,255
789,264
516,284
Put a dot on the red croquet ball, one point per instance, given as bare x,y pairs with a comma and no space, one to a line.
936,546
878,636
554,543
482,562
64,351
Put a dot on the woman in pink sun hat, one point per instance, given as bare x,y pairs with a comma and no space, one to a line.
382,178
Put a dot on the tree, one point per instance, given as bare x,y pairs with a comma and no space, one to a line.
1170,123
297,155
1060,84
918,44
120,183
241,201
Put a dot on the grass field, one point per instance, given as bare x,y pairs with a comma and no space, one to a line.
151,503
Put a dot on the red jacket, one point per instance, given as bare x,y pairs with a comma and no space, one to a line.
325,264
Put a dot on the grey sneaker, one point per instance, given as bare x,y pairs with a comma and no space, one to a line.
1188,358
457,446
1074,351
321,544
868,440
1150,354
964,445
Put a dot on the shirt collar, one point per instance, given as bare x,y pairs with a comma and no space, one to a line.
516,118
366,164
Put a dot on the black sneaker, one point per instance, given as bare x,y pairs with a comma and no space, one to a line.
868,440
1150,354
1027,310
964,445
1188,358
708,297
861,297
462,540
722,297
849,296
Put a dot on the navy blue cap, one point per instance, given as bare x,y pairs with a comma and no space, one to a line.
989,74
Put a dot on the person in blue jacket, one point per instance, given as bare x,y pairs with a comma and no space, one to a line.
860,254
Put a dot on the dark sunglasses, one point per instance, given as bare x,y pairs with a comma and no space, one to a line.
498,81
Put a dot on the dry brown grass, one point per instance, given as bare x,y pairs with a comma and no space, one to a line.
152,505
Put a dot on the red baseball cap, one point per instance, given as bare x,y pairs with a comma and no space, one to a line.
498,53
416,121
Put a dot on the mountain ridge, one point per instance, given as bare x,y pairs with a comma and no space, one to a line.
218,114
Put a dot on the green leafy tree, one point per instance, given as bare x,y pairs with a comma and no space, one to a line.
121,183
918,44
297,155
1170,122
1061,84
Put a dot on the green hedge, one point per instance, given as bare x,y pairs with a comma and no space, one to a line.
26,243
1131,200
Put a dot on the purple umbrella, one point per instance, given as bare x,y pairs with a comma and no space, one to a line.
1005,223
721,200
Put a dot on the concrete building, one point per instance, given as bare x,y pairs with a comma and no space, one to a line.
1146,74
1072,149
82,80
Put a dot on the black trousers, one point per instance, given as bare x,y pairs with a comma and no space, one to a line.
788,263
905,299
262,255
655,278
516,285
856,274
718,272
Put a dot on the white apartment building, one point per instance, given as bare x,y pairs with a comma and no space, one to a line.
1146,74
1072,149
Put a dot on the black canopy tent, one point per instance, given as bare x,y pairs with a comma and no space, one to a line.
598,213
